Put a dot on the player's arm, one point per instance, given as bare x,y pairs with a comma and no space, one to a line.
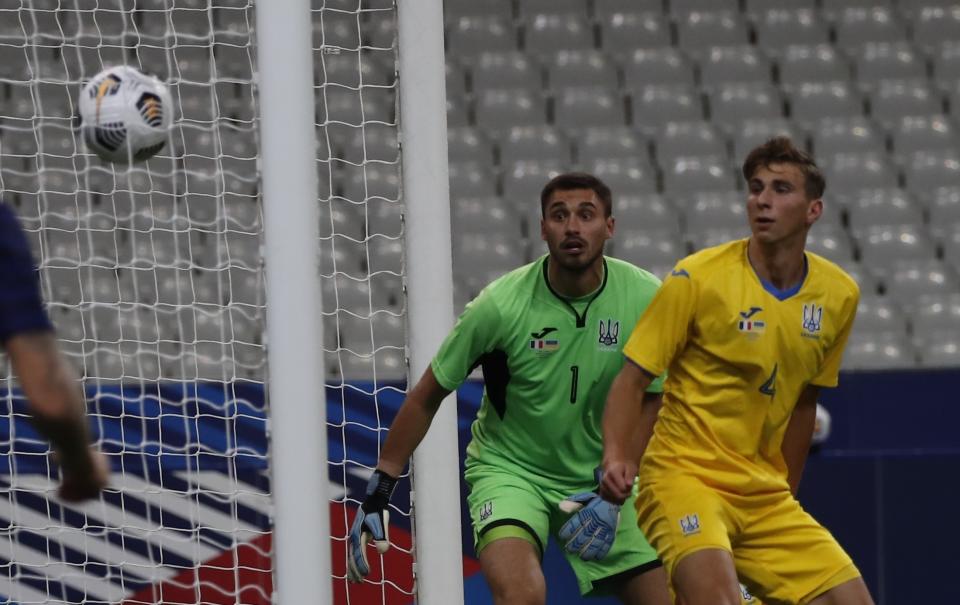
411,424
58,411
648,417
621,428
796,439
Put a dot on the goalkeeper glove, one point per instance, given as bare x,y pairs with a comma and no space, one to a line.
371,523
590,532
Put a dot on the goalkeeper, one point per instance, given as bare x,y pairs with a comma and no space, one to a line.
548,337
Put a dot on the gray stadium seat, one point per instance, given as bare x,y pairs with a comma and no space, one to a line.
811,63
879,315
682,139
944,210
880,61
531,8
625,175
373,142
856,134
481,257
622,33
657,66
468,144
372,181
699,31
858,26
686,175
457,111
912,134
929,169
757,132
811,101
778,29
536,143
715,210
522,183
731,105
484,215
472,179
469,37
610,143
878,352
724,65
951,245
385,218
581,68
549,33
455,79
933,26
577,108
860,274
454,9
871,209
935,313
497,111
682,7
646,248
908,280
758,7
880,246
942,350
508,69
653,106
830,242
603,9
647,212
946,65
698,240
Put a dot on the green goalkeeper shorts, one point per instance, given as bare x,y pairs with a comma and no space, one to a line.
503,505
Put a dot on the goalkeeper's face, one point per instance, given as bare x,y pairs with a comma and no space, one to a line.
575,227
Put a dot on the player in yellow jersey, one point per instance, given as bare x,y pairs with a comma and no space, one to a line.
749,331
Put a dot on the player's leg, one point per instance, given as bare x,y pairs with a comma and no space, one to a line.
790,558
512,569
851,592
646,588
707,577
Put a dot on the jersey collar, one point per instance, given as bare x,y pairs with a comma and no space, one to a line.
776,292
581,317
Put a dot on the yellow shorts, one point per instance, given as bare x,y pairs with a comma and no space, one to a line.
780,552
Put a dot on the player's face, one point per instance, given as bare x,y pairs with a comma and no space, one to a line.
575,228
777,205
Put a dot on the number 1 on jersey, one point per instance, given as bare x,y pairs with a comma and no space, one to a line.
574,378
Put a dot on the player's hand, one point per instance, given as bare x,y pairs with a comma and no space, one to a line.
83,479
617,480
590,532
371,523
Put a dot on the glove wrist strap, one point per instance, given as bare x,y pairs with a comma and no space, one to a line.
379,490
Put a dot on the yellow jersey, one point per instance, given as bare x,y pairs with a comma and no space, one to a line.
738,353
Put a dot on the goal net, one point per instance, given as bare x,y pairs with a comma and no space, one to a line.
154,278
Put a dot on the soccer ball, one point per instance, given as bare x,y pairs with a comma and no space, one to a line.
125,115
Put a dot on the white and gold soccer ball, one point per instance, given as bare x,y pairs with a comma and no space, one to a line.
125,115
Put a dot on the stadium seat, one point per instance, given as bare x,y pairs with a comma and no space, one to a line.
698,240
657,67
756,132
811,101
779,28
880,246
686,175
577,108
499,110
482,257
858,26
509,69
758,7
548,33
679,8
699,31
821,63
830,242
849,172
353,69
457,111
907,280
530,9
731,105
455,79
373,142
372,181
580,69
522,183
534,143
941,350
468,144
944,209
469,37
870,209
863,276
855,134
724,65
715,210
878,352
648,212
951,245
946,66
654,106
881,61
617,142
622,33
924,133
604,9
929,169
683,139
935,313
455,9
472,179
933,26
625,175
879,315
648,248
484,215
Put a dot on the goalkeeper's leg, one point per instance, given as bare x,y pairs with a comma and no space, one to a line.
511,567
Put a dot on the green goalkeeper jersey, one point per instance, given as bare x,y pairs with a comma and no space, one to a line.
547,362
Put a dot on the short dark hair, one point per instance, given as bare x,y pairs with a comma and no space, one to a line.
577,180
781,150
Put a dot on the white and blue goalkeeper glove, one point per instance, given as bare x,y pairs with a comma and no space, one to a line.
590,532
371,523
